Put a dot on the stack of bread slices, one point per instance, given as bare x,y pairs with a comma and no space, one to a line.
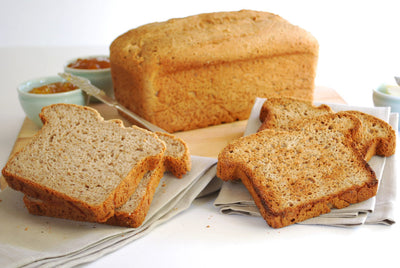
81,167
307,159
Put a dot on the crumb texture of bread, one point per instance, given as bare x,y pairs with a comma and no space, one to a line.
207,69
296,175
79,158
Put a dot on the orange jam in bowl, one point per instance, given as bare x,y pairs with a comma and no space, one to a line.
56,87
95,68
90,63
36,93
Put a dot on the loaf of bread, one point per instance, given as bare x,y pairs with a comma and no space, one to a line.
207,69
133,212
371,135
296,175
79,160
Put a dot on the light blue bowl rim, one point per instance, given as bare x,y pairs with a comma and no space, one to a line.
47,96
68,69
386,96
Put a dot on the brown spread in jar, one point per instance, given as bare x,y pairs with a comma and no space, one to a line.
91,63
56,87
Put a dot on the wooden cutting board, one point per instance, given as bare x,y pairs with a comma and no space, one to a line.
202,142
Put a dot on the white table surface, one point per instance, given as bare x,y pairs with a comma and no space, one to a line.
201,237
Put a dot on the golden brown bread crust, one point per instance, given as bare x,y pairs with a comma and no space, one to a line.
207,69
293,176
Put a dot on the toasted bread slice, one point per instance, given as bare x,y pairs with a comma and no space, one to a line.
285,113
80,160
375,138
134,211
297,175
342,121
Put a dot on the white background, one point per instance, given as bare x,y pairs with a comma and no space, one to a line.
359,49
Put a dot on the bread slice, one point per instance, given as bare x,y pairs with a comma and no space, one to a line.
80,160
285,113
379,138
297,175
134,211
376,137
344,122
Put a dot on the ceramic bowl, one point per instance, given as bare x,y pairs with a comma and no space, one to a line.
33,103
100,78
382,98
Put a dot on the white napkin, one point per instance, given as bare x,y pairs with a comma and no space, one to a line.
235,199
33,241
